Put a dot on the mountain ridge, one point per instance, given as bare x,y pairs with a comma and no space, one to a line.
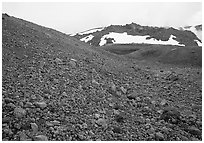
183,37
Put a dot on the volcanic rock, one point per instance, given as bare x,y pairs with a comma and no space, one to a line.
171,115
40,138
19,112
41,105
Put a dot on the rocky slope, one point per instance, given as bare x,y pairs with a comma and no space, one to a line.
55,87
135,33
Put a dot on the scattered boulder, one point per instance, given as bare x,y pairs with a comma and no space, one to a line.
84,125
49,124
58,61
41,105
34,128
196,107
33,97
147,99
42,64
19,112
117,130
95,82
151,130
7,131
11,105
112,90
113,87
183,138
160,111
64,94
172,77
6,119
40,138
17,126
55,122
97,115
194,139
119,118
8,100
131,96
171,114
165,130
147,126
193,130
23,136
116,112
159,136
163,102
192,117
199,123
118,93
138,99
140,120
153,102
123,90
28,105
116,106
101,122
73,63
148,121
111,104
146,111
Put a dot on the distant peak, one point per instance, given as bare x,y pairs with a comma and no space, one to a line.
198,27
5,14
187,27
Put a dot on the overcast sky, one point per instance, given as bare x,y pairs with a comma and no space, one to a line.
77,17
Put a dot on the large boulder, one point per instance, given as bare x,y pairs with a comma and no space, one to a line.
171,114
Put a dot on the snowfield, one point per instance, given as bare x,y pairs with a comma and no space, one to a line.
91,31
198,33
88,31
72,34
123,38
198,42
87,38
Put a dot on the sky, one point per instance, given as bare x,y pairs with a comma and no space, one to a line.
72,17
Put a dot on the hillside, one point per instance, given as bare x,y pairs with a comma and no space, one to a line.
58,88
135,33
166,54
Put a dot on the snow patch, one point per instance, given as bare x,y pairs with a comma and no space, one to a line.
72,34
198,33
87,38
198,42
124,38
88,31
91,31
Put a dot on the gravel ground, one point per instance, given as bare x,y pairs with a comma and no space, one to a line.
57,88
